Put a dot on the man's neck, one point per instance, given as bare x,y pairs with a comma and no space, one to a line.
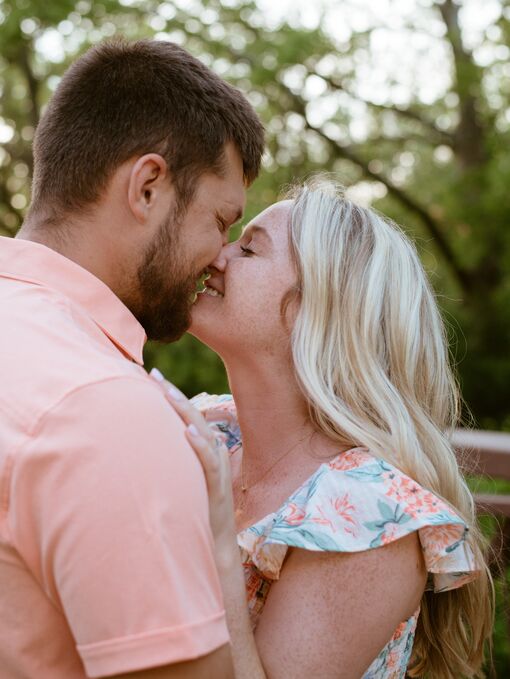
90,253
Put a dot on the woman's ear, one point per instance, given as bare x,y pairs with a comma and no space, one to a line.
289,306
145,184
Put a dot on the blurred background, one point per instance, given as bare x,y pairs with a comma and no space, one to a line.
408,101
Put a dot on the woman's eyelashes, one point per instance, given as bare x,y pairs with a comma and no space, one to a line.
246,251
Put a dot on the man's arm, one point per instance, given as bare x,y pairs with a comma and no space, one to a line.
112,518
215,665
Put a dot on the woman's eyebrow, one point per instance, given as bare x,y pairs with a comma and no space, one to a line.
256,229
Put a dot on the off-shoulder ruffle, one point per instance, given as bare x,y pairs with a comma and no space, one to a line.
353,503
358,502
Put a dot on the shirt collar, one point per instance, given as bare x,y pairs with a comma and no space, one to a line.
32,262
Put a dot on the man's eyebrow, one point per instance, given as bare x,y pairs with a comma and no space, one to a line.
228,222
234,216
237,215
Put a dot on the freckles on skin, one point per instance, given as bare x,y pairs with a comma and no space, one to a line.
248,318
272,265
258,282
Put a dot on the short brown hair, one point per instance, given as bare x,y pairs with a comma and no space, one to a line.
122,99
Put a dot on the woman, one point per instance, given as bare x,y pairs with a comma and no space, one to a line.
358,538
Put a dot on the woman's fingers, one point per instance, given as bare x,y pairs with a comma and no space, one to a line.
208,446
214,458
188,413
207,454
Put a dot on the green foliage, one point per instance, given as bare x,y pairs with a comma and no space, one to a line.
492,527
438,165
441,168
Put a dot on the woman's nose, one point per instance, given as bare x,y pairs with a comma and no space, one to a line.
221,261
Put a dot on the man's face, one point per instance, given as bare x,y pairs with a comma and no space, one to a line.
184,247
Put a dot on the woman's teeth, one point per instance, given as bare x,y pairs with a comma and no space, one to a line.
212,292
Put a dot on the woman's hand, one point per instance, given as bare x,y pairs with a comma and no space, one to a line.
214,458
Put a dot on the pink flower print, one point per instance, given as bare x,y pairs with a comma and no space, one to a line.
296,515
351,459
432,503
392,659
323,519
399,631
414,498
391,533
403,489
425,503
344,509
435,539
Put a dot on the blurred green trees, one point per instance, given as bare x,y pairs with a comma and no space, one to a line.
425,137
408,102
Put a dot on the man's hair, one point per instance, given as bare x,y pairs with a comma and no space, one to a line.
123,99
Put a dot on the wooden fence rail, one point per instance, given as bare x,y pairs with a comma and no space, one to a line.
486,453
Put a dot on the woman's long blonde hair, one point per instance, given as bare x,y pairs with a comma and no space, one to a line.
371,355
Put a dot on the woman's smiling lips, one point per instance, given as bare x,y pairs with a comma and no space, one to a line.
212,289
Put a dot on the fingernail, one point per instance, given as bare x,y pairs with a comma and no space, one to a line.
193,430
157,375
175,394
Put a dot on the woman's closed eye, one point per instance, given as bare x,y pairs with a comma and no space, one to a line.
246,251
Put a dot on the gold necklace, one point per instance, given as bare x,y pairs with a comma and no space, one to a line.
244,487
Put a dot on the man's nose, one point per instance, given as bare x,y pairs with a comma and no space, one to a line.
221,261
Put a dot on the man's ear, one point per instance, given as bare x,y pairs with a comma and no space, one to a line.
145,184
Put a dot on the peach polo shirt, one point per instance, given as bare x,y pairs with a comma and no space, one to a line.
106,555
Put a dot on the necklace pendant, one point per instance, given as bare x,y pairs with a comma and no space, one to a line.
244,489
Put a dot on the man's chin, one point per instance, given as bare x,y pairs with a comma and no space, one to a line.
167,332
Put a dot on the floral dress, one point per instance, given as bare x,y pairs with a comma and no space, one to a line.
352,503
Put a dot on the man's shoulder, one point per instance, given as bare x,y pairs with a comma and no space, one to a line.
48,351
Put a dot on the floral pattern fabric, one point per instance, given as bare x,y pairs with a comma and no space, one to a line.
352,503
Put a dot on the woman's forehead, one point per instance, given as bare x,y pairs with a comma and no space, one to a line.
274,215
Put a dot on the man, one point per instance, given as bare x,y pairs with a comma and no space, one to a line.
106,557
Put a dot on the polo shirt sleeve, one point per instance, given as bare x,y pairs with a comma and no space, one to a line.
110,512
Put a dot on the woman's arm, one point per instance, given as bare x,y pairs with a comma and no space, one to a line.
214,458
329,614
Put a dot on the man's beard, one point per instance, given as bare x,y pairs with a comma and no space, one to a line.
165,285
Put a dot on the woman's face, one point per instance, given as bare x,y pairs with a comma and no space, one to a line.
240,309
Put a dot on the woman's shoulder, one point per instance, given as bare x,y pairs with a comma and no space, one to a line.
358,502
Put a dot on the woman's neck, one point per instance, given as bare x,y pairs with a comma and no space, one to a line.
280,448
273,417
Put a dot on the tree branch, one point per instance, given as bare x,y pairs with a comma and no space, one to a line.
409,113
299,105
462,276
469,141
383,138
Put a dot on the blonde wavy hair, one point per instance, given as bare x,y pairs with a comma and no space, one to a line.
371,356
